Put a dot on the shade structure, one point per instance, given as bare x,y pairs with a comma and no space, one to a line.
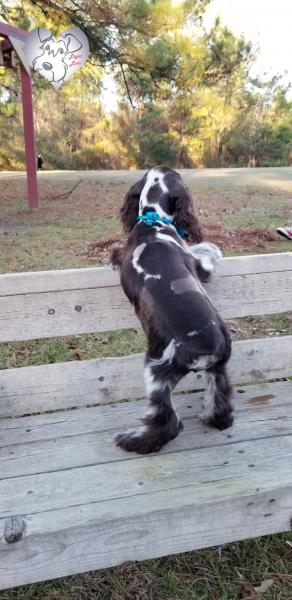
14,40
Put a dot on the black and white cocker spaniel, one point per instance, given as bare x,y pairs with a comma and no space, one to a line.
161,276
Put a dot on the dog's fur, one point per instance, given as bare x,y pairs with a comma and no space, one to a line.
161,275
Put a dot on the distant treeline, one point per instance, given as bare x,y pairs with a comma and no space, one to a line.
185,95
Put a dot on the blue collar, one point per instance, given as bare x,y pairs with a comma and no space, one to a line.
151,217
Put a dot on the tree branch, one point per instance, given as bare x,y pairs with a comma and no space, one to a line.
9,89
127,86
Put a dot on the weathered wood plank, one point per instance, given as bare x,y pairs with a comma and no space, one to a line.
100,535
52,314
82,383
83,432
257,263
145,475
35,282
75,279
80,539
93,449
102,305
96,533
83,504
261,412
274,395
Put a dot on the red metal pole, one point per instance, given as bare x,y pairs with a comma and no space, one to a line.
29,139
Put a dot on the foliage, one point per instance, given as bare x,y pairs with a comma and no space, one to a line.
186,98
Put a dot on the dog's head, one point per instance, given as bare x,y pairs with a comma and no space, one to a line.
162,190
52,53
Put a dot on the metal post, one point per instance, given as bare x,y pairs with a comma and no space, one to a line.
29,140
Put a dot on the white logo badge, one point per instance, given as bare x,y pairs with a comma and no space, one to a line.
56,58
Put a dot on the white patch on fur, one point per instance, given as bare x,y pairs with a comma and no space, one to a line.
165,237
150,182
151,385
203,362
169,352
139,432
208,254
136,255
209,405
152,410
161,212
135,433
194,332
207,264
168,238
167,355
148,276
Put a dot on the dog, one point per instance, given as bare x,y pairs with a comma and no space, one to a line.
51,61
162,277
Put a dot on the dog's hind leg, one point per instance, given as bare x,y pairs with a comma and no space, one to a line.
218,410
161,422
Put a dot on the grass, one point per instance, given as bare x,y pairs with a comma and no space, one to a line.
60,233
58,236
232,572
58,244
122,343
87,346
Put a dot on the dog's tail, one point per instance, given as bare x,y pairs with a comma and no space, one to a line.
207,256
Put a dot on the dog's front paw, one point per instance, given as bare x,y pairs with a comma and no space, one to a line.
208,255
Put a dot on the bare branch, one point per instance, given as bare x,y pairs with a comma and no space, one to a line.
127,86
66,195
9,89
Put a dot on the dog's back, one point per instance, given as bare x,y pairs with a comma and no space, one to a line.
162,280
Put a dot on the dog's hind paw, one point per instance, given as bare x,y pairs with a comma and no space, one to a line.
218,421
143,440
138,440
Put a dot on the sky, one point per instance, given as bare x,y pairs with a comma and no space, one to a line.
266,23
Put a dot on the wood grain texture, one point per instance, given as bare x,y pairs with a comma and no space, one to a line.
42,388
41,492
83,538
100,516
241,399
58,303
74,279
86,437
70,501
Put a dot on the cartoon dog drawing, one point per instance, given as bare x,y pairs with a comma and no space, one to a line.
51,62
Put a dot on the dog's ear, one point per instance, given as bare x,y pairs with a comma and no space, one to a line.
72,43
130,208
44,34
184,214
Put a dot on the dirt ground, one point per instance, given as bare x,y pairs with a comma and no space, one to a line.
78,221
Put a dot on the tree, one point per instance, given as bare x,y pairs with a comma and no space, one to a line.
194,102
